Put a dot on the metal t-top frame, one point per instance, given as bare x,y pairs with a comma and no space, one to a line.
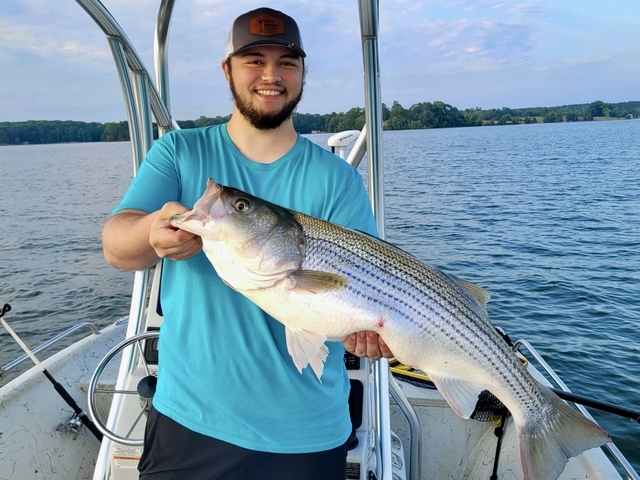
146,100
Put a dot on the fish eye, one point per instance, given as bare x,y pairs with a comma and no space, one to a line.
241,204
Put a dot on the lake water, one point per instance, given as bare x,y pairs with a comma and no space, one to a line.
546,217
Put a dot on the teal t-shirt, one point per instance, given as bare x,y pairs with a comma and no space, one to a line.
224,369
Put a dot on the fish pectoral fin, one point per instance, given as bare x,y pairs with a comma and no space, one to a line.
312,281
461,395
307,348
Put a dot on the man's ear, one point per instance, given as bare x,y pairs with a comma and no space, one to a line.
225,70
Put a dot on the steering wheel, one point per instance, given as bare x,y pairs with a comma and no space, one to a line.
144,391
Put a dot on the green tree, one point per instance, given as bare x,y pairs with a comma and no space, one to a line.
397,118
552,117
116,132
599,109
309,123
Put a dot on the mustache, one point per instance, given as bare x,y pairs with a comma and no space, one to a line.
262,120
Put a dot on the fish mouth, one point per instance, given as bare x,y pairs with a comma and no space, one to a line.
179,219
207,209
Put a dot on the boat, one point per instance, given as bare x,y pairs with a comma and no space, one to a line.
79,414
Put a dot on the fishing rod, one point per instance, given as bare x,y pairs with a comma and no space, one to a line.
597,404
570,396
59,388
420,378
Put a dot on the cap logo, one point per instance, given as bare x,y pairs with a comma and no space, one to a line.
266,25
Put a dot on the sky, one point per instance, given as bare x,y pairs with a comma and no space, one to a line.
55,63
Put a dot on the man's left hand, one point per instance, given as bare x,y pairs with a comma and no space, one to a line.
367,345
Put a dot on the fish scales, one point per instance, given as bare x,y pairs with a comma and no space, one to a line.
344,281
410,278
401,267
403,272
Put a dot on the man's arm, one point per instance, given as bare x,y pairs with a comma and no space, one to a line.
135,240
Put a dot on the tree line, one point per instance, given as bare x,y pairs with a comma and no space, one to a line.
419,116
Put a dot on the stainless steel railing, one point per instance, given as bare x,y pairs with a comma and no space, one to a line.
52,341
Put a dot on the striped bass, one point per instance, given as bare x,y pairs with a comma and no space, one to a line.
345,281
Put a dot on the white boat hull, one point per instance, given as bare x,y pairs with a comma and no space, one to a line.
32,447
456,448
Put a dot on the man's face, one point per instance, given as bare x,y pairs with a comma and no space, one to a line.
266,83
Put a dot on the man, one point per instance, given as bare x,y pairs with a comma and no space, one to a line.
230,403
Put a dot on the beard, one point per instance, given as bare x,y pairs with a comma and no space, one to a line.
261,120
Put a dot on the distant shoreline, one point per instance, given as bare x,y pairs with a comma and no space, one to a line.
423,115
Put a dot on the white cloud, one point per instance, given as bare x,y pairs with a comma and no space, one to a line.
476,52
13,36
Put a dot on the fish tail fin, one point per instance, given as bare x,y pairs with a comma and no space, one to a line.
564,433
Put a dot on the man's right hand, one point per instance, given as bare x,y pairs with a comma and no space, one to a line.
168,241
136,240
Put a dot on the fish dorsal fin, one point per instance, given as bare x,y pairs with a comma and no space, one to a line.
476,292
461,395
313,281
307,348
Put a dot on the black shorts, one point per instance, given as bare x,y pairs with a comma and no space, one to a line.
173,452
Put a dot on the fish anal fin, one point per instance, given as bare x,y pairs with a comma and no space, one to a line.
312,281
462,396
307,348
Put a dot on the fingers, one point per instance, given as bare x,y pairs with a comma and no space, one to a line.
385,351
367,344
350,343
170,242
177,244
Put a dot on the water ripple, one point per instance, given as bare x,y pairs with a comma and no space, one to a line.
545,217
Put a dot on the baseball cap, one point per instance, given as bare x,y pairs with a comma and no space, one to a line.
264,26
